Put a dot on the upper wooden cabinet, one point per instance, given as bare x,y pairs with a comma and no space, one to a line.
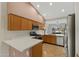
23,24
41,26
26,24
10,22
20,23
14,22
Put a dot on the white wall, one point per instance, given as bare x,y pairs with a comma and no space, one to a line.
0,31
56,21
4,33
77,27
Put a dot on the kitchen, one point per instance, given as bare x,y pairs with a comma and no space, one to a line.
35,35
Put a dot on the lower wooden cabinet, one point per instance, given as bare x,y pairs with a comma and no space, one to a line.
49,38
35,51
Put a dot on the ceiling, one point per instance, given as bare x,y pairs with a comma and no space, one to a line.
55,10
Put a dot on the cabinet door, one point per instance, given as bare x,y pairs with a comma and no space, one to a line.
53,39
14,22
10,22
24,24
17,23
36,51
49,39
46,38
41,26
29,25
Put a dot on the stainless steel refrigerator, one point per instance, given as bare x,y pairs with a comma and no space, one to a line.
69,39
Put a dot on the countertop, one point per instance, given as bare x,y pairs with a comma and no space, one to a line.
22,43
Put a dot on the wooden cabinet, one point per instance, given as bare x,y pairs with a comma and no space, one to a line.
14,22
36,51
10,22
26,24
41,26
29,25
20,23
49,39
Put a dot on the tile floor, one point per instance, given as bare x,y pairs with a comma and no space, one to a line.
52,50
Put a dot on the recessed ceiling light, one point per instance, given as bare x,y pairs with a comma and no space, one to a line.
50,3
62,10
38,6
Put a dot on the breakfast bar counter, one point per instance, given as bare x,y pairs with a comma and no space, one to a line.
22,44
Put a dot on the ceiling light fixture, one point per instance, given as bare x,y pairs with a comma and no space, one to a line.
38,6
50,3
62,10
